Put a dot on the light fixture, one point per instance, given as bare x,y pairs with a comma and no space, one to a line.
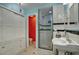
65,3
50,11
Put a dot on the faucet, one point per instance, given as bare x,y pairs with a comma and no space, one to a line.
58,35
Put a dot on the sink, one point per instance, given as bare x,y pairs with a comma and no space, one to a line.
65,44
73,46
59,41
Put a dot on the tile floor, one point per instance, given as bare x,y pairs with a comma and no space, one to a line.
34,51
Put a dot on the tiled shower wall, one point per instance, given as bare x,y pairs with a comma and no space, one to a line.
74,17
12,32
58,17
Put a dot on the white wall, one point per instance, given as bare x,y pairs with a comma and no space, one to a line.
12,32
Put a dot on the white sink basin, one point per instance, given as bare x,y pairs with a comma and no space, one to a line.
59,41
62,43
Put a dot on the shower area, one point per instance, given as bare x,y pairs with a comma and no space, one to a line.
45,28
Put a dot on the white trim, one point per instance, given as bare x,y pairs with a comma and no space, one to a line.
27,32
36,29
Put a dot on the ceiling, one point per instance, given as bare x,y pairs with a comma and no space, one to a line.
31,5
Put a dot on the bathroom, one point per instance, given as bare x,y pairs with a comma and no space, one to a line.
39,28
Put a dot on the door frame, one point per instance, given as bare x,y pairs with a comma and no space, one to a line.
27,22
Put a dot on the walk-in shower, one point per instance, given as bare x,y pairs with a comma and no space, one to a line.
45,27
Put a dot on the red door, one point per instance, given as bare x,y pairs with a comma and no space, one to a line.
32,28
